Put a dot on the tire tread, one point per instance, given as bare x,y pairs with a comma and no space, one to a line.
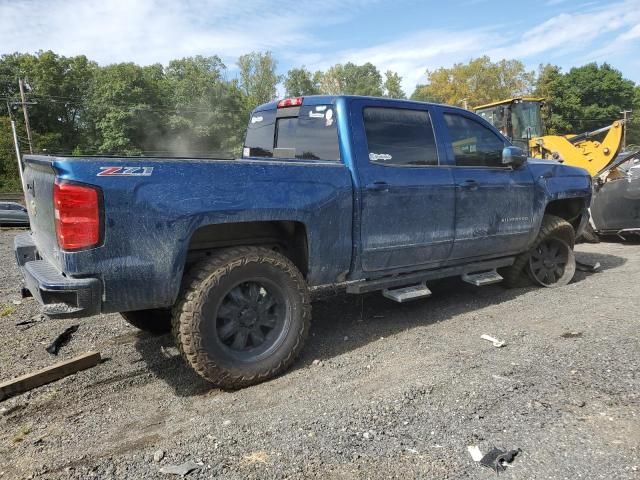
203,277
552,226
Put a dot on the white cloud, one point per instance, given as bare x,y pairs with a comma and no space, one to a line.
570,32
567,38
149,31
412,55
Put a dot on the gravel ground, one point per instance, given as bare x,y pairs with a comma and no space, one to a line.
400,390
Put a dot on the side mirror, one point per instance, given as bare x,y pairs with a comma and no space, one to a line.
513,156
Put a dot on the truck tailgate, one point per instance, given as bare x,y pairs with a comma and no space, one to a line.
39,177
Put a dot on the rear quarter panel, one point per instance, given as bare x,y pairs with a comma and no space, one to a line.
149,220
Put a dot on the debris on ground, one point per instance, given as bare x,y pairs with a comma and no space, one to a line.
475,453
496,459
588,267
27,324
62,340
6,411
183,470
571,335
48,374
158,455
496,343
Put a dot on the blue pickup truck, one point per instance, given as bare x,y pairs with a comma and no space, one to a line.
332,192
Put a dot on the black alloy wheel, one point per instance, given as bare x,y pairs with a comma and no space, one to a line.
552,263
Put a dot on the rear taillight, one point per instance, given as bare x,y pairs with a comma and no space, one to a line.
77,215
290,102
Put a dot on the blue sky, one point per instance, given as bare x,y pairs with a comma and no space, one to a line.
408,36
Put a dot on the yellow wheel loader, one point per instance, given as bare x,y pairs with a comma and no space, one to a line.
615,208
520,119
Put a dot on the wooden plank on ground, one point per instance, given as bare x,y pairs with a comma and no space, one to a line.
48,374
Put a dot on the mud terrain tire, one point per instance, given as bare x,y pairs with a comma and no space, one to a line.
516,275
242,317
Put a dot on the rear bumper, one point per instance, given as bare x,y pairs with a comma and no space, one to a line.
60,296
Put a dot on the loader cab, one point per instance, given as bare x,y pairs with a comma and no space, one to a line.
519,119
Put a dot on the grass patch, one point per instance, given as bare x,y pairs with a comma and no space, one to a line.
22,434
7,310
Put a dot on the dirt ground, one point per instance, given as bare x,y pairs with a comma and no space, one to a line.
400,390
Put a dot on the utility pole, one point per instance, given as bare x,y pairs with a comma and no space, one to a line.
624,129
26,114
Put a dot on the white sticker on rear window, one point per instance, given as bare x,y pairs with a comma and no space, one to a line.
329,117
321,108
257,119
316,115
375,157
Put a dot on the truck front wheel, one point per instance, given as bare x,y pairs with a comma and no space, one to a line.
550,263
243,316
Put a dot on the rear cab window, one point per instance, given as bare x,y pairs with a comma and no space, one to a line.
400,137
306,132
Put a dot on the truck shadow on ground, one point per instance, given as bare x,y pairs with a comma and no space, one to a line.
347,322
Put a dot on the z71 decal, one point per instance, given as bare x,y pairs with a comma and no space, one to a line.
125,171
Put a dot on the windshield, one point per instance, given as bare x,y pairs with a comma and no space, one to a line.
526,120
495,116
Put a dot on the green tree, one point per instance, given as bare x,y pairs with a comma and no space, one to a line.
202,115
393,85
586,98
258,78
332,81
352,79
9,175
546,83
477,82
300,82
127,108
633,128
58,87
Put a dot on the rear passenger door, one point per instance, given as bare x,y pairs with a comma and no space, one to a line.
494,203
408,197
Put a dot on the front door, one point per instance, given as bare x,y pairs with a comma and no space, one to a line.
408,197
494,203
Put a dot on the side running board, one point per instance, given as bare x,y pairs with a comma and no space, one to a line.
405,294
482,278
412,279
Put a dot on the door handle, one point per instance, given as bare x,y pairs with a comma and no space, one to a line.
381,187
470,185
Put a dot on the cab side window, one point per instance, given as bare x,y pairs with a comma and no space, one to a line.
400,137
474,145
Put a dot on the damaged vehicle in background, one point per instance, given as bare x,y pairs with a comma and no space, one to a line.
615,209
13,214
358,193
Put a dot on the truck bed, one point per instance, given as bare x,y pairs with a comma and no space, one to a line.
154,207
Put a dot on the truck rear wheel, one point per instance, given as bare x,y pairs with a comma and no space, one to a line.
243,316
550,262
157,321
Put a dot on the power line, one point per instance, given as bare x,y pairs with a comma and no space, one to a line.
26,113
